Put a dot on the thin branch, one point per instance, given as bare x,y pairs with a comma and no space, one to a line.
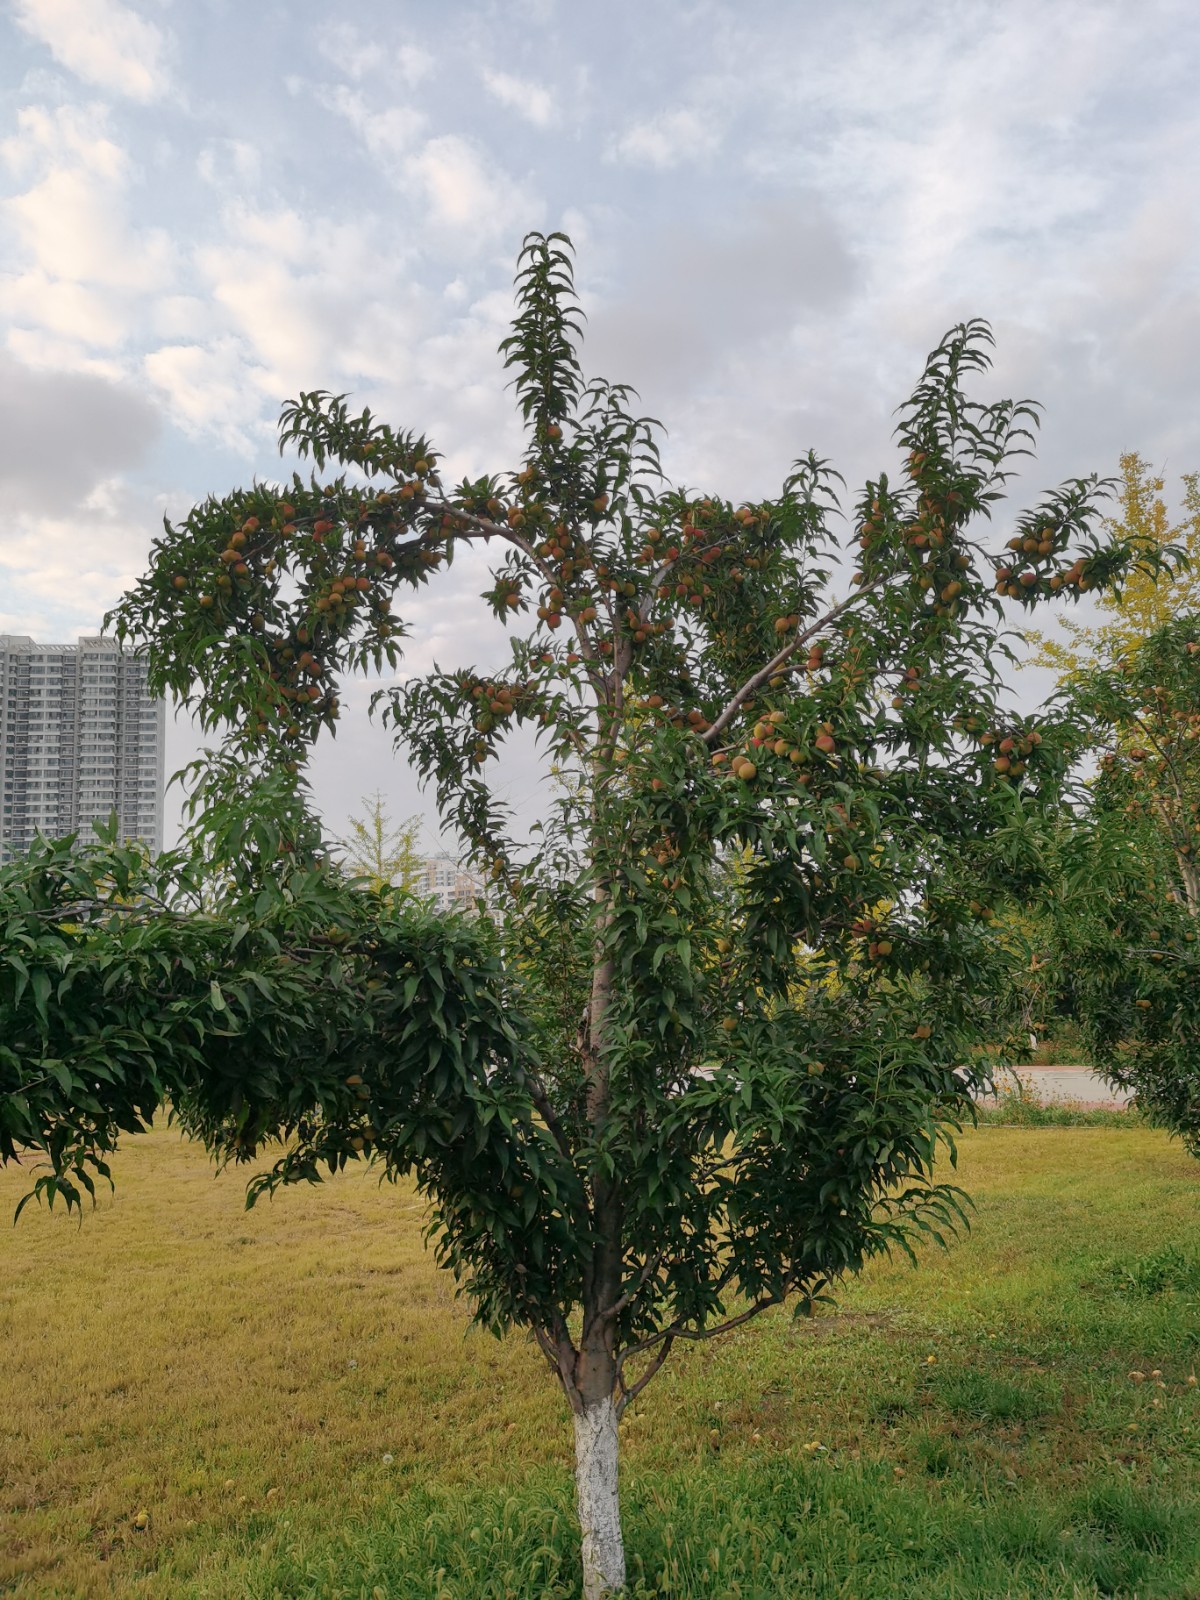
631,1294
630,1394
651,593
542,1104
488,530
547,1347
676,1330
780,659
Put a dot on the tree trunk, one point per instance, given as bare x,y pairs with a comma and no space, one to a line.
1191,884
596,1493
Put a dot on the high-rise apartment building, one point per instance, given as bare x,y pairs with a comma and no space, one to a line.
80,738
449,884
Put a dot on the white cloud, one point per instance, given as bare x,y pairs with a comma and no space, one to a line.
83,269
102,42
345,48
389,134
71,312
59,574
225,162
73,230
68,135
213,389
528,100
669,139
314,302
462,190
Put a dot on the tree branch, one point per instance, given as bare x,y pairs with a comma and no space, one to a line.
630,1394
542,1104
644,1276
676,1330
488,530
722,720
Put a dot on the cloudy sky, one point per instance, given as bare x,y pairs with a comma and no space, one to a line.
778,205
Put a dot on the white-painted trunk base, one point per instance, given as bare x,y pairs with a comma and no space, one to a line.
599,1507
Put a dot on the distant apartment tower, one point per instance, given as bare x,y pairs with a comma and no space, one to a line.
451,886
80,738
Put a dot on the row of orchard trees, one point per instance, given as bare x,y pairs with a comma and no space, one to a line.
701,1058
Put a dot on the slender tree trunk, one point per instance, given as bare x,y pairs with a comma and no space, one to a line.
594,1380
596,1494
1191,884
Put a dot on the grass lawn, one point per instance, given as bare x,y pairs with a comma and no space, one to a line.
293,1398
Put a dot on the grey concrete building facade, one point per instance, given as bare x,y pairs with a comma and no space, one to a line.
80,738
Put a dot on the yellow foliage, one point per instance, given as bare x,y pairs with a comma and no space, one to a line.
383,853
1143,603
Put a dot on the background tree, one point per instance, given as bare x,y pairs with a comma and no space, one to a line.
751,942
1124,899
380,851
1148,597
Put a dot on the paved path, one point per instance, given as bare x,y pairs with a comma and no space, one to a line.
1065,1083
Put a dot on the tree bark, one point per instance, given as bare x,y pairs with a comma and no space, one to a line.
1191,883
596,1494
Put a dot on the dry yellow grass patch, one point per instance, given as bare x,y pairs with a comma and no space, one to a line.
174,1342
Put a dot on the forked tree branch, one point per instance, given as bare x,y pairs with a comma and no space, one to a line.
677,1330
629,1393
631,1294
489,530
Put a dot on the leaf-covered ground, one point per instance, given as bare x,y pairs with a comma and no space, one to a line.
293,1400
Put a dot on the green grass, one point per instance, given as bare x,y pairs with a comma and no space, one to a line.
1015,1419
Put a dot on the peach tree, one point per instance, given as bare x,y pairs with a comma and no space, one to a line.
701,1054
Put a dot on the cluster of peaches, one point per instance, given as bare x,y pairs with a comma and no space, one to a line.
347,572
1036,578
